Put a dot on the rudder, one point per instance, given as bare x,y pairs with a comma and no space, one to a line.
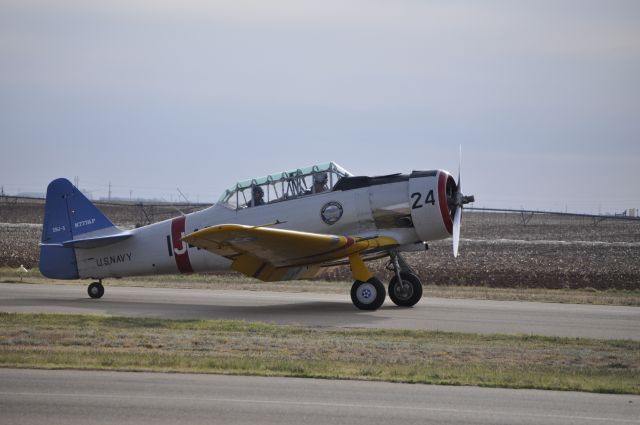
67,214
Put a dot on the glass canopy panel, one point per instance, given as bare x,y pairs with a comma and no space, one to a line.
283,186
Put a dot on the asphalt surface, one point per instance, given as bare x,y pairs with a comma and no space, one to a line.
457,315
87,397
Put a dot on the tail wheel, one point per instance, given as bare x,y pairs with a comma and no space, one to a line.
407,293
368,295
95,290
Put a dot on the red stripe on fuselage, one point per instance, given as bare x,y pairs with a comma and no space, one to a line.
442,200
180,248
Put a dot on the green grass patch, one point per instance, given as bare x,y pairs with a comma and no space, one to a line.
237,347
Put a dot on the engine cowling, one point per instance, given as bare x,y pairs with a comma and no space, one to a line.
432,212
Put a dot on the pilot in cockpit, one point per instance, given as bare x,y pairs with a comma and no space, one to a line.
257,197
319,182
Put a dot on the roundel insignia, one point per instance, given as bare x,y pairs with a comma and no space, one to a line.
331,212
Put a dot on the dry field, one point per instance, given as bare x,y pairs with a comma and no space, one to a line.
497,250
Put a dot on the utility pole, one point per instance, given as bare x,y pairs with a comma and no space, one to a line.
109,190
182,194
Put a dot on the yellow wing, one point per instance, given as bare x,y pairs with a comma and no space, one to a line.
276,254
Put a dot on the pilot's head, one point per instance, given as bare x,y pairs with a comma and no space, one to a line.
258,193
320,179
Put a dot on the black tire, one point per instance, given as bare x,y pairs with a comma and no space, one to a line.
95,290
368,295
406,295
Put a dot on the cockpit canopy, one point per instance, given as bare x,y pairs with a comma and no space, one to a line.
283,186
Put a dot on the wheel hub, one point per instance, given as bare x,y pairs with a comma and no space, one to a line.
366,293
403,290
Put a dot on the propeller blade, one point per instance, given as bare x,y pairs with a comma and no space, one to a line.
459,167
456,230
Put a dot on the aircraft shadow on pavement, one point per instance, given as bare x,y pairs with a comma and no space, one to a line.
313,313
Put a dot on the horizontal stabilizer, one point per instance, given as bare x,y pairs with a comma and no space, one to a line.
97,241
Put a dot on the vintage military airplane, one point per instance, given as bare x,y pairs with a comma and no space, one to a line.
280,227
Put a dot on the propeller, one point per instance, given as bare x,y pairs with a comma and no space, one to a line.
459,200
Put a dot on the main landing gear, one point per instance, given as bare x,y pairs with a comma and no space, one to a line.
96,290
405,288
368,293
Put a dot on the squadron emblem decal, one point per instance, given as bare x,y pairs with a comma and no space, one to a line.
331,212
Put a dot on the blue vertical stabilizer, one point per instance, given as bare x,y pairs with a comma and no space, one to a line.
67,214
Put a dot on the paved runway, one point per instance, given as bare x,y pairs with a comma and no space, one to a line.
87,397
330,310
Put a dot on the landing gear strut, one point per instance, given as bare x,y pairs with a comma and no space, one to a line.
96,290
367,292
405,288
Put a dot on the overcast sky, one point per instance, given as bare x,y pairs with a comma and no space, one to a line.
543,96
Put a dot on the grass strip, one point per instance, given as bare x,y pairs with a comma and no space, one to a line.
236,347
